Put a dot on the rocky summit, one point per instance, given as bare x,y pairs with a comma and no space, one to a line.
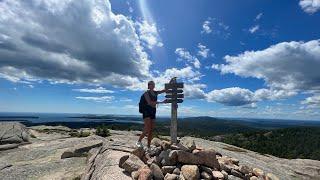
53,152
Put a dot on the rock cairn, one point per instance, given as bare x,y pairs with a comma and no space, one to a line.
185,161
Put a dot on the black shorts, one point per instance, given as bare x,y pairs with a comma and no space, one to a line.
149,112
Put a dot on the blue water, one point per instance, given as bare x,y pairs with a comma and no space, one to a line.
65,117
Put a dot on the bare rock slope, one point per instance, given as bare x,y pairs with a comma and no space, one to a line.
46,152
104,164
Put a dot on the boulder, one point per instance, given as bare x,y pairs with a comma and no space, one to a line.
258,172
122,160
190,144
270,176
190,172
135,175
179,146
145,173
225,174
156,142
245,169
237,173
253,178
205,175
206,169
217,175
232,177
140,152
154,151
81,149
156,172
176,171
165,159
167,169
171,177
173,156
133,163
205,157
165,145
13,133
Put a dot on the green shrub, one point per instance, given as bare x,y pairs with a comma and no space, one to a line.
79,134
102,131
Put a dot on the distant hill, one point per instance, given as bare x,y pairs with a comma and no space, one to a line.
298,142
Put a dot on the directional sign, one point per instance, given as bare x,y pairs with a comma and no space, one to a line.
173,85
174,91
174,96
174,100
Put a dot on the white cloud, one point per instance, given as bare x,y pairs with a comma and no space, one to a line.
310,6
287,68
233,96
258,16
148,33
194,91
206,27
45,40
100,90
203,50
288,65
254,29
183,54
268,94
125,100
96,98
312,102
186,74
216,27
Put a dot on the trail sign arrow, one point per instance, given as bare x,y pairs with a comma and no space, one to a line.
174,96
174,100
174,91
173,85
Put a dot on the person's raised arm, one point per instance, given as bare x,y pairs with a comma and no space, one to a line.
162,91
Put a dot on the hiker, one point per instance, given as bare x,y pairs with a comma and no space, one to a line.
147,106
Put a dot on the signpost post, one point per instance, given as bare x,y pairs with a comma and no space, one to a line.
174,96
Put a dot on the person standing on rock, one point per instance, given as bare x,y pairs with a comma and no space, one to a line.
147,106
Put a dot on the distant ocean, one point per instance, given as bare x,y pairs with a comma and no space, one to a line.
67,117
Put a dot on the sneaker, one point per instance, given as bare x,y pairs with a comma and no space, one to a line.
139,144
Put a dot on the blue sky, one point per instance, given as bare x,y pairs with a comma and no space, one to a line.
250,59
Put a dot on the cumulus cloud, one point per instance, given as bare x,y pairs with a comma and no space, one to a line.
74,41
186,74
269,94
288,68
310,6
206,27
183,54
287,65
96,99
233,96
312,102
203,50
254,29
148,33
98,90
194,91
236,96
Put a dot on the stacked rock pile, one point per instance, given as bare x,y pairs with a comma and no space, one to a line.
185,161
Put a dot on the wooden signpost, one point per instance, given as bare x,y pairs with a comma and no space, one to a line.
174,96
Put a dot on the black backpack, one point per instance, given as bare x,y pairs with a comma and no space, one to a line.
142,104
